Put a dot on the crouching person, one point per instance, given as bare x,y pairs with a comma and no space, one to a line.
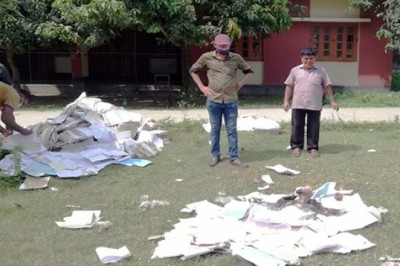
10,99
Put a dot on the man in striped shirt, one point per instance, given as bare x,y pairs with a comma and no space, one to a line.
306,85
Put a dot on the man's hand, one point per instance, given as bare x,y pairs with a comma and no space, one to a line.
286,106
335,106
7,133
206,91
25,131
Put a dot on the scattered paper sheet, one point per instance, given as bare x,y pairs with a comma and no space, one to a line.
28,144
283,170
389,258
31,182
267,179
112,255
328,189
256,256
254,123
263,188
80,219
38,169
135,162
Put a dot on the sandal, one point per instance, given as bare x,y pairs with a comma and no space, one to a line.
296,152
314,153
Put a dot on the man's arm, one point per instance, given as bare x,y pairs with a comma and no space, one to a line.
246,77
199,83
7,116
328,90
286,98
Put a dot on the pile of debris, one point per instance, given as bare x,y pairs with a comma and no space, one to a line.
87,135
275,229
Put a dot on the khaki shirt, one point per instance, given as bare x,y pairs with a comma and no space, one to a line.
221,75
8,96
308,87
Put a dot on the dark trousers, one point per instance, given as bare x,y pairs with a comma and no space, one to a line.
298,123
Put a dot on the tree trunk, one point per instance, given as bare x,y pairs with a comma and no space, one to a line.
15,74
190,93
187,81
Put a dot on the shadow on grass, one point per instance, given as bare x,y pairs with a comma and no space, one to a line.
263,155
339,148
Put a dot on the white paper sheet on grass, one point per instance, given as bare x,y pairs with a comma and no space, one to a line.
80,219
328,189
34,183
251,123
96,155
135,162
74,164
283,170
7,165
254,123
149,136
112,255
339,243
256,256
38,169
29,144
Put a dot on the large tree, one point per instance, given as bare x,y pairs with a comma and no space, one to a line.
195,22
18,20
389,11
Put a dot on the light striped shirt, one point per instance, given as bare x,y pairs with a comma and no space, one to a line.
308,87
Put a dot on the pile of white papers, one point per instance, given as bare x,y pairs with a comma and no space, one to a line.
262,229
87,136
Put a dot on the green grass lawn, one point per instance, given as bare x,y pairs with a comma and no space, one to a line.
29,235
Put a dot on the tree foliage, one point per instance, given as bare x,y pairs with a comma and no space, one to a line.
85,24
185,22
389,11
19,19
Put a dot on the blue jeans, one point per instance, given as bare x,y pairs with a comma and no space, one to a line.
230,113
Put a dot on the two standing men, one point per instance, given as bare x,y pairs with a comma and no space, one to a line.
306,85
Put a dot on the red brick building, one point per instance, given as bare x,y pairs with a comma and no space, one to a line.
345,41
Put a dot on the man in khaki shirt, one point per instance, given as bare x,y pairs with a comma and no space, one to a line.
306,85
222,94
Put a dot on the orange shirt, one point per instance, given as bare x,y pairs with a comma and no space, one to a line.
8,96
